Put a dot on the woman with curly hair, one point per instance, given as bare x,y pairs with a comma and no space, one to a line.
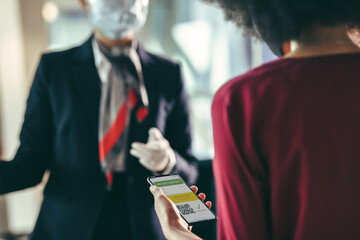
287,134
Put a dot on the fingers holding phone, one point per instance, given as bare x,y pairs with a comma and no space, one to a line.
202,196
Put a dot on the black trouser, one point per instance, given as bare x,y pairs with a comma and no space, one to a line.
114,221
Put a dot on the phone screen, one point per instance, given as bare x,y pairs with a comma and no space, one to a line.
191,208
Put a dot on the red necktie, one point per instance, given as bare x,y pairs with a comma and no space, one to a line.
114,133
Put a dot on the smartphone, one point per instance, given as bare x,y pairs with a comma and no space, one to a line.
191,208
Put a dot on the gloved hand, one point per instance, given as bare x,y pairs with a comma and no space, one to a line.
156,155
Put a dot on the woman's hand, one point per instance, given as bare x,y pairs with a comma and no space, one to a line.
172,224
202,196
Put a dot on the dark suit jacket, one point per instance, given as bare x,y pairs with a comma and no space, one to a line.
60,134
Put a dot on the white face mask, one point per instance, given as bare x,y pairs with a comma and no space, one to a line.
118,18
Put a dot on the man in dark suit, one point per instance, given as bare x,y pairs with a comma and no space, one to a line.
89,108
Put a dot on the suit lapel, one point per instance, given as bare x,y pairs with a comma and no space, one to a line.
149,72
139,131
88,83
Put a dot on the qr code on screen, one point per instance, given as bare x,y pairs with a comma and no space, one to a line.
185,209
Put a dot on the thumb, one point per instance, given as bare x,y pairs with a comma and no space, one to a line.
156,192
155,134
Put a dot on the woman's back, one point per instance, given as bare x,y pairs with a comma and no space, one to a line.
287,153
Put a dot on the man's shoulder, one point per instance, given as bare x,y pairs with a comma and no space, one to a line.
157,59
81,51
162,59
57,54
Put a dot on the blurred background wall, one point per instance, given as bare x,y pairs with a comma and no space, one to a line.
209,49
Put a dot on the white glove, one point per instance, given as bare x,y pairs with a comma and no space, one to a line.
156,155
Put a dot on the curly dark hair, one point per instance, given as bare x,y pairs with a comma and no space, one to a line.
282,20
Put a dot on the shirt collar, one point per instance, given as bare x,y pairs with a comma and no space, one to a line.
102,63
103,66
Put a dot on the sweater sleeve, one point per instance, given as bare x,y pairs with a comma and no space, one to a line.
241,187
